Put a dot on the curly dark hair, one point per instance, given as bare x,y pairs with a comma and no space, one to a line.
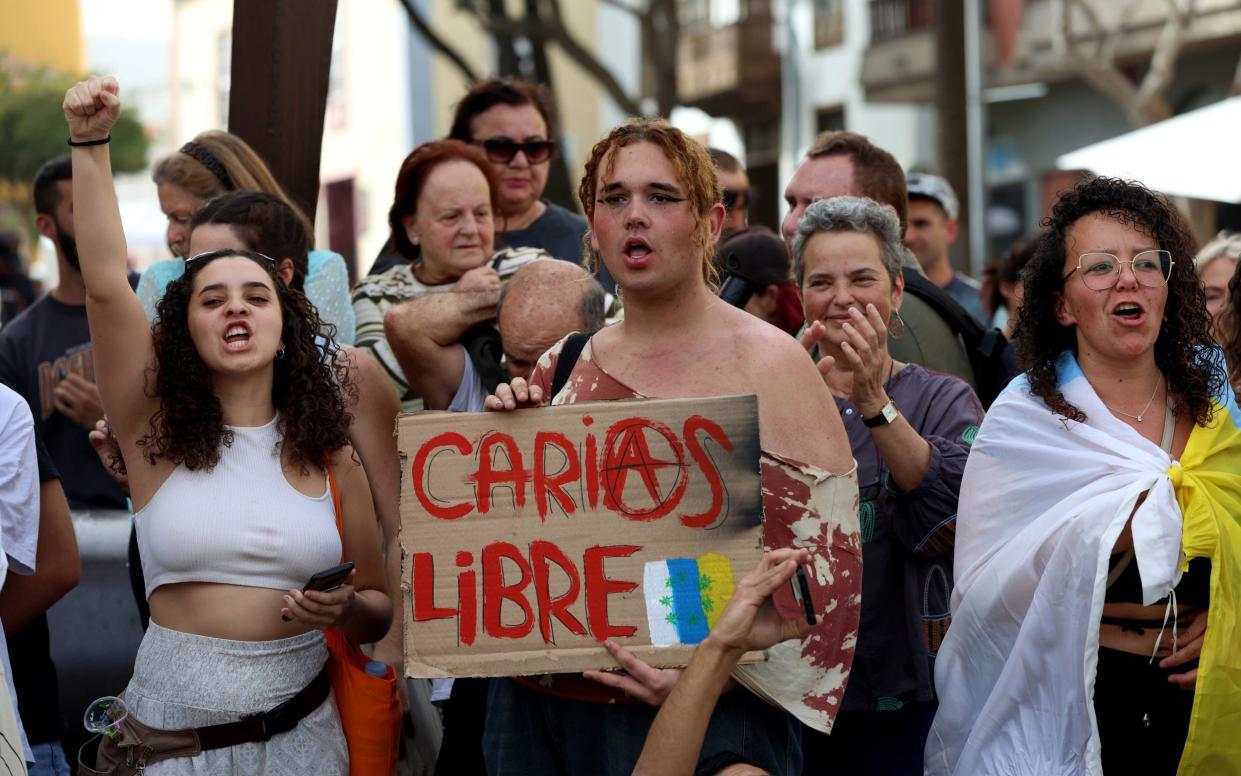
1183,346
310,388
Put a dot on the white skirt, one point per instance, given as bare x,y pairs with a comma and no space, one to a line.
183,680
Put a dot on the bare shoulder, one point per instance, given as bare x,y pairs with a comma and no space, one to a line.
764,352
344,461
793,400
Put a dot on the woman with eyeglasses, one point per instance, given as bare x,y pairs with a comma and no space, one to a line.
234,428
1097,549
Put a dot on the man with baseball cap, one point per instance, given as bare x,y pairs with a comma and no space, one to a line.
932,230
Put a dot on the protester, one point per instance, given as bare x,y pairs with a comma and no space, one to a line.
909,430
544,302
1230,329
19,537
1097,527
217,162
24,601
515,124
1216,264
1004,287
652,199
17,291
735,192
932,231
442,220
848,164
232,424
751,621
46,356
758,258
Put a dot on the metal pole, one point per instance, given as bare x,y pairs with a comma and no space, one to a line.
975,138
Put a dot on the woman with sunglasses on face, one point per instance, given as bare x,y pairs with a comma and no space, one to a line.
514,123
1098,548
234,429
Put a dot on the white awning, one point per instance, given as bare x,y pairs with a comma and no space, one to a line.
1195,154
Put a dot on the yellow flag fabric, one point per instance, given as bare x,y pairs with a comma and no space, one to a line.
1208,488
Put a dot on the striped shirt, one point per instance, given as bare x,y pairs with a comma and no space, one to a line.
375,295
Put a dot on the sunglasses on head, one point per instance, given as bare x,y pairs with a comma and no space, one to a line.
501,150
225,252
731,196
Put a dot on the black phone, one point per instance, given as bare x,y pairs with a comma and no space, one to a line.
329,579
801,591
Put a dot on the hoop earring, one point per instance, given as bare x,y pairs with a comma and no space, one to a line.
280,354
896,325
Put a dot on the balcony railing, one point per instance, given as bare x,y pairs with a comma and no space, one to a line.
896,18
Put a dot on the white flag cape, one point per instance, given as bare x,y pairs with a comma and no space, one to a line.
1042,502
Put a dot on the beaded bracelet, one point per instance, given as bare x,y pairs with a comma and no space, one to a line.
79,143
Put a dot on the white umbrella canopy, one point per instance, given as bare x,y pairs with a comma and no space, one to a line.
1195,154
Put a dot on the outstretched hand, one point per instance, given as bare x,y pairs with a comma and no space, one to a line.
750,620
92,107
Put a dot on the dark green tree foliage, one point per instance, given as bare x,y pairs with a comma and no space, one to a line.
32,126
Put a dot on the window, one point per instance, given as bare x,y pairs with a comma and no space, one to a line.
829,23
830,119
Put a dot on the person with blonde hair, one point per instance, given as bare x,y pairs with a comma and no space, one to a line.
216,162
652,200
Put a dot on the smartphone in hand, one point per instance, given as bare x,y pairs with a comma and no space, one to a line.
329,579
801,592
325,581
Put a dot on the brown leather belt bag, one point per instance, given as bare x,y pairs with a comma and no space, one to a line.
139,745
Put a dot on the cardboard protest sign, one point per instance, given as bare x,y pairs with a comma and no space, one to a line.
531,537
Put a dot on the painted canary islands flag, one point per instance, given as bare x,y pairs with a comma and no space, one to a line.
685,597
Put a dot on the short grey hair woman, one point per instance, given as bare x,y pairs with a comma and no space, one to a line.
910,432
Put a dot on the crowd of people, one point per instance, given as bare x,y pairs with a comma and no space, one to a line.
1016,503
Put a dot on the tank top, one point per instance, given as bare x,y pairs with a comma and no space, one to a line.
241,523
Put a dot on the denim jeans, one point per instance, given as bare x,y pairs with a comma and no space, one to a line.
49,759
529,733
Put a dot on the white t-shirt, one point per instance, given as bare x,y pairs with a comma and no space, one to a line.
19,512
470,393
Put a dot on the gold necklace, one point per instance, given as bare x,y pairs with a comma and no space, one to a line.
1149,402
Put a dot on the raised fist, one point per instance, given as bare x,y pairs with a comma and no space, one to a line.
92,107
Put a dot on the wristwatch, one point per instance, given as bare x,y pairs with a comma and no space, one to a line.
887,414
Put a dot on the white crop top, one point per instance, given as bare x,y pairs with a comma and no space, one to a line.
240,524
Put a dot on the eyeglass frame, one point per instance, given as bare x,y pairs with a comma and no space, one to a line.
523,146
1120,268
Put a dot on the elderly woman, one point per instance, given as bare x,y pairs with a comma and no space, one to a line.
1097,529
443,220
1216,264
910,431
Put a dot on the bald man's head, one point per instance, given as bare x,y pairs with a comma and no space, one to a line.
546,300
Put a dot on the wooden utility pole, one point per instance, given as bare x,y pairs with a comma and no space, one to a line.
950,103
282,54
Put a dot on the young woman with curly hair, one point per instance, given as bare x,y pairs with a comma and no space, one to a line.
1097,544
232,424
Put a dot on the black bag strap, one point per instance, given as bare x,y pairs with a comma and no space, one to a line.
569,354
944,306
